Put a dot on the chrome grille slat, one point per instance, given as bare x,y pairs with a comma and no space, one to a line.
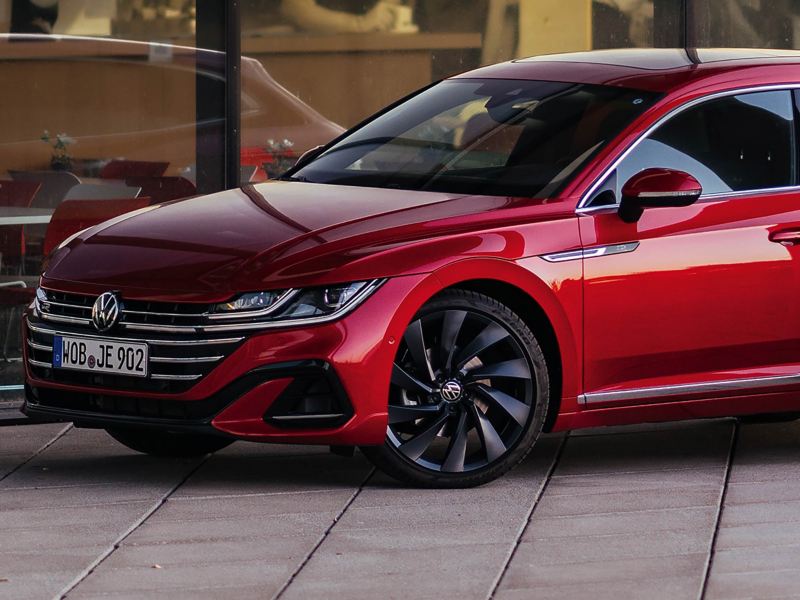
186,360
70,306
153,342
40,364
125,311
63,319
40,347
164,328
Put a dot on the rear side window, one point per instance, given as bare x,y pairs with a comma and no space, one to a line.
732,144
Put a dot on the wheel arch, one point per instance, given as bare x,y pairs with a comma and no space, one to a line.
537,304
536,319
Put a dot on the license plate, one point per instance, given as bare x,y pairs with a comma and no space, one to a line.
100,356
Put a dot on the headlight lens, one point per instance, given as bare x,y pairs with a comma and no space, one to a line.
317,302
245,302
285,305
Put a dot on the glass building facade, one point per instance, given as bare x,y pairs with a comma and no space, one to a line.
112,105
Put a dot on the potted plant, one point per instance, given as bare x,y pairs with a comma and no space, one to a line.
60,159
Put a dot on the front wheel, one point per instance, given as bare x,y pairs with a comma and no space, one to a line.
168,443
468,394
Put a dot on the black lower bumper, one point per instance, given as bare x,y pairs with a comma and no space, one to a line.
314,387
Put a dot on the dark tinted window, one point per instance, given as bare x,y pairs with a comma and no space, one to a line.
495,137
737,143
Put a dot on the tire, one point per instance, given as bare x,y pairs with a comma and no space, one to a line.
469,394
168,443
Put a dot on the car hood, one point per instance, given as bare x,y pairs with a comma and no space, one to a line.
268,236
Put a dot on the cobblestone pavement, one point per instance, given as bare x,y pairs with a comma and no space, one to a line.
690,510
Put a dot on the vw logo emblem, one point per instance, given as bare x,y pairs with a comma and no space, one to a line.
451,391
106,312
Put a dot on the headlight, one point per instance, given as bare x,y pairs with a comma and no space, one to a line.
246,302
318,304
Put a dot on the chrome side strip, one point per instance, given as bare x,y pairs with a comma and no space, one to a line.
206,342
666,391
595,252
583,205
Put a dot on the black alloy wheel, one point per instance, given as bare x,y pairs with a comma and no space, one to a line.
468,394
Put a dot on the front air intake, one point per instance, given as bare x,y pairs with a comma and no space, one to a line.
314,398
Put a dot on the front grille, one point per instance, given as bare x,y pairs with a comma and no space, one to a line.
75,309
180,355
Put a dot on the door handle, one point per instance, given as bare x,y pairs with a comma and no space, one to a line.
786,237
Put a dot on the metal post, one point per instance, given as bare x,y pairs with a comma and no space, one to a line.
672,24
218,90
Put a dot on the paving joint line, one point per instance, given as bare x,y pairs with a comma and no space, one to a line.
251,495
723,493
44,447
83,575
528,518
282,590
632,472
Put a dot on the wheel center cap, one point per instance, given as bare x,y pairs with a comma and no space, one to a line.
451,391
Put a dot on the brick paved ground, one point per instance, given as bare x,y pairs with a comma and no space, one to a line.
707,509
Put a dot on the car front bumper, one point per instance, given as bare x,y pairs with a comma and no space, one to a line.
326,384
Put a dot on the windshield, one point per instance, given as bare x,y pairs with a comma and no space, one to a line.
493,137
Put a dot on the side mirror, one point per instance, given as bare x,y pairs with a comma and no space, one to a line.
657,188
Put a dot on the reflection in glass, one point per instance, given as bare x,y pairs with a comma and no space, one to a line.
745,23
494,137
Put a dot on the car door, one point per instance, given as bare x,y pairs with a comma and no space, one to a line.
699,301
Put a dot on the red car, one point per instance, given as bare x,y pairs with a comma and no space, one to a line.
548,244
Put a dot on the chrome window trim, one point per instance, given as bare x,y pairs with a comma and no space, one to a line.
583,206
667,391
